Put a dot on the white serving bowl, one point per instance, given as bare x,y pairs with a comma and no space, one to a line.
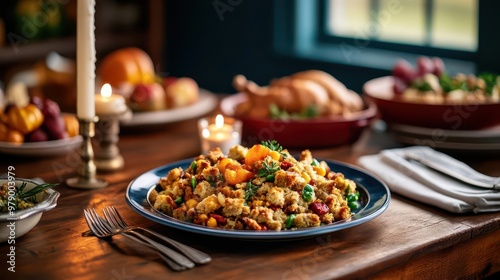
24,220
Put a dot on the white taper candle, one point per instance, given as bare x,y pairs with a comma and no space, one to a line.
85,59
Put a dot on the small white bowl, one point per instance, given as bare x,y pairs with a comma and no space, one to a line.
15,225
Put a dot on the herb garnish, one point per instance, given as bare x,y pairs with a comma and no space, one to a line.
221,177
38,189
421,85
27,198
250,190
273,145
310,111
268,170
211,181
490,80
450,84
446,83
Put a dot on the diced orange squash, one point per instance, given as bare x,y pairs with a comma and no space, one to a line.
233,166
224,162
256,153
245,175
237,175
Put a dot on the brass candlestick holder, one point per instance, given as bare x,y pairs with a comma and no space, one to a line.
108,156
87,170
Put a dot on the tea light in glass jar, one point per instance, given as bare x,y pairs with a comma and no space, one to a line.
108,103
219,132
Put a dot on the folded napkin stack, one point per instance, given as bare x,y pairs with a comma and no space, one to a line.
412,179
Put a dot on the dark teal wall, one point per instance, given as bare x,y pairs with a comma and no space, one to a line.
212,49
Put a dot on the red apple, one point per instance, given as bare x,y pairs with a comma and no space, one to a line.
39,135
37,101
50,108
439,68
181,91
53,123
403,70
169,81
55,127
147,97
425,65
399,85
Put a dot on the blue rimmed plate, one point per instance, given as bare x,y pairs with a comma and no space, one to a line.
374,198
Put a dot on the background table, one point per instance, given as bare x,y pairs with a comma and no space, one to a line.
410,240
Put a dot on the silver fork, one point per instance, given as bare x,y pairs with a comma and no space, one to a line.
113,217
101,228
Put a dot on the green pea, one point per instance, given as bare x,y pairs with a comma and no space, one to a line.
307,196
351,197
193,182
270,178
315,162
307,193
289,221
193,167
353,205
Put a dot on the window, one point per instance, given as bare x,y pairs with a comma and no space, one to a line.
373,34
445,24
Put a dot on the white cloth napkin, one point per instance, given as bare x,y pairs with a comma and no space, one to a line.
418,182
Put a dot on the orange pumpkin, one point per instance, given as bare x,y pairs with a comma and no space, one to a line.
25,119
10,135
128,65
71,125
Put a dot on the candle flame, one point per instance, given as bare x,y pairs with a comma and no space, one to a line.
205,133
219,121
106,90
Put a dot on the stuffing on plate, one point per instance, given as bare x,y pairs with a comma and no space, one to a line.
257,188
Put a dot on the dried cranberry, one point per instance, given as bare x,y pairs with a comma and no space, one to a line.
274,207
220,220
262,227
285,165
319,208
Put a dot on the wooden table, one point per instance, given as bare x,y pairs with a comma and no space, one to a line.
410,240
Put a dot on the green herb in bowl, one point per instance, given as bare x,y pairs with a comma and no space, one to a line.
19,198
22,203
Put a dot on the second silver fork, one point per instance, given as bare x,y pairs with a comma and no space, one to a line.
113,216
109,229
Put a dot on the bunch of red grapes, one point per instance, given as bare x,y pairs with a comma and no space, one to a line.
404,73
